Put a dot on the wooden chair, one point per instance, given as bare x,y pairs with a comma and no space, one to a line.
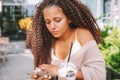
4,42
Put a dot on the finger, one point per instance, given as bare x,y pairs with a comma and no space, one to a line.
43,66
40,78
47,77
34,76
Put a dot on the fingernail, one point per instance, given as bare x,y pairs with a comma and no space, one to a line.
35,76
49,77
46,76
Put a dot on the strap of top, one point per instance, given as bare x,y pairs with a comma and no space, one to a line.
76,34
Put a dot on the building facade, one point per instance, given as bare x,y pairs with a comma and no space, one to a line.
107,12
11,11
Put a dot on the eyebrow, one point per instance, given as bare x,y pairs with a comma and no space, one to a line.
53,18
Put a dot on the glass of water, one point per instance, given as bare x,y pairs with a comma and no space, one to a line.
67,71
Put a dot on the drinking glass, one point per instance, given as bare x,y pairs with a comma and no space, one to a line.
67,71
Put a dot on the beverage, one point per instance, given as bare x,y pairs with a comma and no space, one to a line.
67,71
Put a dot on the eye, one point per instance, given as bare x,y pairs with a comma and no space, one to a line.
57,19
47,21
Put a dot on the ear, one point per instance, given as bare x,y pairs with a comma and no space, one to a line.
69,21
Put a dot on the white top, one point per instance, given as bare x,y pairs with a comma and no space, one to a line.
75,47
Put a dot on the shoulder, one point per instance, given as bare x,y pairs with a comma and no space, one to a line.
84,35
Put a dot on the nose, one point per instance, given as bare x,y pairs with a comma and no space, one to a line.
52,25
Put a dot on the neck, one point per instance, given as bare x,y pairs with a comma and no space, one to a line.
68,36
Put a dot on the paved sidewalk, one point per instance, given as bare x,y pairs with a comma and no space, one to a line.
19,65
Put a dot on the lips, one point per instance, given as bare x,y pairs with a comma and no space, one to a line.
54,32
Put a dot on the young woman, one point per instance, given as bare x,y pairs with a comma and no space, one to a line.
57,24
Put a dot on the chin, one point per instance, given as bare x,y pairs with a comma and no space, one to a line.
56,36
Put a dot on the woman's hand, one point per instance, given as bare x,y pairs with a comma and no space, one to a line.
42,77
44,72
49,69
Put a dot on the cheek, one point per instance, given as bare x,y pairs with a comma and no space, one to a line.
64,24
48,27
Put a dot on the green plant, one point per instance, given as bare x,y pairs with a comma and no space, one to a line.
110,47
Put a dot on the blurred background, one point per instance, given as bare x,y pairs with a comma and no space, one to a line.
15,15
11,11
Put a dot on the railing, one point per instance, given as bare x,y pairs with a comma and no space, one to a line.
112,74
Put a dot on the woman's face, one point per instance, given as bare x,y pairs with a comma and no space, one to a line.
56,21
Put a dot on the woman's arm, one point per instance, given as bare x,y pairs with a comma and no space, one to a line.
93,65
79,75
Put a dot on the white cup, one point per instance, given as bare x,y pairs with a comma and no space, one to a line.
67,71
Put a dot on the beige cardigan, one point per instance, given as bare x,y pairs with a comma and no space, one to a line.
89,60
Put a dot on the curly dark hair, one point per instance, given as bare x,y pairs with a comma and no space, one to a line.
74,10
